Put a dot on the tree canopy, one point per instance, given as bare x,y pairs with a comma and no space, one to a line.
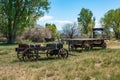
15,15
110,20
52,28
86,21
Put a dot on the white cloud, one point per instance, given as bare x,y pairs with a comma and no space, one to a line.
62,21
50,19
59,23
45,18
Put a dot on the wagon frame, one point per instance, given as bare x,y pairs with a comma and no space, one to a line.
89,43
31,51
86,43
28,52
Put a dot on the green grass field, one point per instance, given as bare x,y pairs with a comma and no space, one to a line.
98,64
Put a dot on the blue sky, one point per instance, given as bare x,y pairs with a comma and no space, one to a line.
66,11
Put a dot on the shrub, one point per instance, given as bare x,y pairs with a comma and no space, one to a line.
37,34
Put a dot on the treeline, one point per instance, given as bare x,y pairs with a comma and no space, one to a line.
86,22
36,34
17,16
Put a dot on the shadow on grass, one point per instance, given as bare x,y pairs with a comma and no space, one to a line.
8,44
12,44
41,59
50,58
94,49
74,53
5,53
77,52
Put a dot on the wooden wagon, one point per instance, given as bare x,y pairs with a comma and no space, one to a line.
98,40
86,43
28,51
31,51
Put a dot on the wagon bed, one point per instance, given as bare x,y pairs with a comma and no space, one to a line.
86,43
31,51
28,51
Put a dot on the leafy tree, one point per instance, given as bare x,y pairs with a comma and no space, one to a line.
86,21
110,20
16,15
70,30
52,28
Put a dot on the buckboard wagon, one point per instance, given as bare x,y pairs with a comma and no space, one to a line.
31,51
86,43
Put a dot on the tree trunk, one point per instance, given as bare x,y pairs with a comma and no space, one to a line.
11,38
116,35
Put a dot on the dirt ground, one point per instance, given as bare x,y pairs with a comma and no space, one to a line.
114,47
113,44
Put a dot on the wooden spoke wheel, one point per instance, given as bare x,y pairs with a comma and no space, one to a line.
63,53
35,55
25,57
30,55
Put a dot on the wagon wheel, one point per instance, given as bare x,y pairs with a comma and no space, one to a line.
26,55
63,53
37,56
104,45
29,55
33,55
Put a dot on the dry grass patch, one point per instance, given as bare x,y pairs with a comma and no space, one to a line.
87,65
113,44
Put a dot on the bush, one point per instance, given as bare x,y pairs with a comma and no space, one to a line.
37,34
3,39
